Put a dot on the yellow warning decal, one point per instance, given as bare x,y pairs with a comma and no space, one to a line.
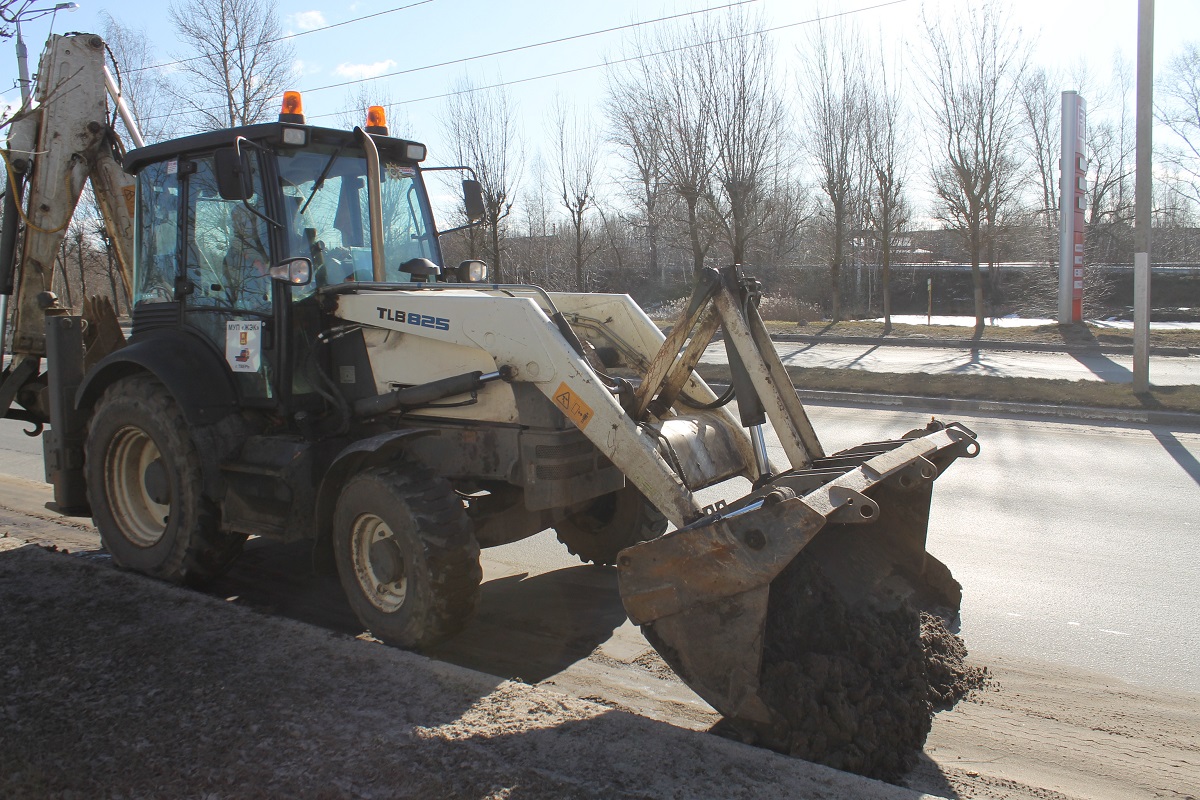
576,410
129,192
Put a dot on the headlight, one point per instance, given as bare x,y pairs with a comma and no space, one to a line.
472,271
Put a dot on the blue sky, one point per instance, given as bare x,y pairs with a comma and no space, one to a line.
1068,32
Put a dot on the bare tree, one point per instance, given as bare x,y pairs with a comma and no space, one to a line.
1178,108
140,79
886,141
237,66
832,92
533,263
632,105
1041,105
482,127
676,90
576,157
749,129
973,73
1108,141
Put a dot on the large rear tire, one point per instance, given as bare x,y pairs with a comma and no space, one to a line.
406,556
599,529
144,484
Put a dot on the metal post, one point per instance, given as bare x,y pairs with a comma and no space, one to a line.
1142,190
22,65
1072,201
23,83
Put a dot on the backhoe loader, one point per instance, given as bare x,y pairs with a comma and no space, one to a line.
303,365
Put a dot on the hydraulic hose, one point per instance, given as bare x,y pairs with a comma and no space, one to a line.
423,394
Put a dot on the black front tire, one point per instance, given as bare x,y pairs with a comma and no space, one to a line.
406,556
144,484
597,530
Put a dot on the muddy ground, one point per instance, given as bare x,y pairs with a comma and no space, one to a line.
164,690
115,686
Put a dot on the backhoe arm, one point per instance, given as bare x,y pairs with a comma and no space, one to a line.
72,141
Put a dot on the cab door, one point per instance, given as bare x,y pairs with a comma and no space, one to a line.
226,260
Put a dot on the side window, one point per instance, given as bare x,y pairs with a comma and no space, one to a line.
405,233
157,255
227,256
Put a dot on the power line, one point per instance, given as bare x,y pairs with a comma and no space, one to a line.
529,46
639,57
284,38
506,51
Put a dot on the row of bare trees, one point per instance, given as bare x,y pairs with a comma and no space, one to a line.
720,157
710,148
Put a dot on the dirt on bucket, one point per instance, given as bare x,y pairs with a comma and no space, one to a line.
857,685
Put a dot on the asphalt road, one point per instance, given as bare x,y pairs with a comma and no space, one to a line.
1076,544
1164,370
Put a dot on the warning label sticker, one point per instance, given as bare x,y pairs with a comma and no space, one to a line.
576,410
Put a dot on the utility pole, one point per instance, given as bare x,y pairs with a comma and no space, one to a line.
22,65
1142,189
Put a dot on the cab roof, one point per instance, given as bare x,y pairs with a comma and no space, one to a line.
269,132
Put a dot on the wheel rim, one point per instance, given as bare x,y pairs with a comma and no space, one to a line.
599,514
379,564
135,477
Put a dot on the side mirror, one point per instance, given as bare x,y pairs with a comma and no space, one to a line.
473,199
422,270
296,271
234,181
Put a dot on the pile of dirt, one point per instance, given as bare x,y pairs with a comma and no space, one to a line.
857,684
950,677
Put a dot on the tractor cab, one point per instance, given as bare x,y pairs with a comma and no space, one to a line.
236,231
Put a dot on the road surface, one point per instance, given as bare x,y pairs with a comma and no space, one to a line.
1074,543
1164,370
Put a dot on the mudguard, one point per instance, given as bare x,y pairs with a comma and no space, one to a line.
187,365
362,454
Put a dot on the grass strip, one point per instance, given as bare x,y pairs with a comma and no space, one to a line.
1075,335
1090,394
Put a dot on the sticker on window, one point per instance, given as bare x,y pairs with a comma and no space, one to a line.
243,345
398,171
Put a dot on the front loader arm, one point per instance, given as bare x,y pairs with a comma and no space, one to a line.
518,335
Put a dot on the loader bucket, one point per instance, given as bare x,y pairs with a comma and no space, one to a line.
797,567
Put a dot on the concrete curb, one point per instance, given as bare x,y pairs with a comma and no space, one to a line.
970,344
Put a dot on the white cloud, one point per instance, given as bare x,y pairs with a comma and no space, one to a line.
364,70
301,68
308,20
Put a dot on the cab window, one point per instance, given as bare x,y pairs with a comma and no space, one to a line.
327,216
228,256
157,256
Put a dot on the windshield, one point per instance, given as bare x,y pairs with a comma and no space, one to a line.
328,218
